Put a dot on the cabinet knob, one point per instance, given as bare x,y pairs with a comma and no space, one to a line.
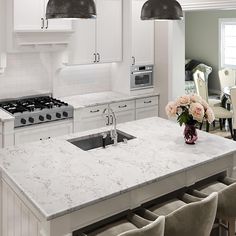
41,118
23,121
58,115
31,120
46,24
49,117
95,58
65,114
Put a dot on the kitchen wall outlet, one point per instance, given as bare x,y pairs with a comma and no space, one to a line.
3,62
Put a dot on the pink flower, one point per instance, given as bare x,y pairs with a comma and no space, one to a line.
197,111
183,100
210,115
195,98
205,104
171,109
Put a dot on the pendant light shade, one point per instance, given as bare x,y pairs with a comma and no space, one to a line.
162,10
85,9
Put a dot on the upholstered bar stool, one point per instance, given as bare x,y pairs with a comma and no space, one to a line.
226,210
183,219
126,228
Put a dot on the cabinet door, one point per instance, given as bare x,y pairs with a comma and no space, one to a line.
82,43
109,30
146,112
28,14
56,24
125,116
142,36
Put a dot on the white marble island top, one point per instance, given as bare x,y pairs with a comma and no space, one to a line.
59,178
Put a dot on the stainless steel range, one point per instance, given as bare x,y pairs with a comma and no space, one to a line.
36,110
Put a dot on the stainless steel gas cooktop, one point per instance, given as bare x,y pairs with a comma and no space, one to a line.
35,110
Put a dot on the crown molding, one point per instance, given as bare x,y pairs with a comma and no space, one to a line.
191,5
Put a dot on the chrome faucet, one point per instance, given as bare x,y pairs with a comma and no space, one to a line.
111,121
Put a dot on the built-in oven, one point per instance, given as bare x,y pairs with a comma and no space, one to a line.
141,77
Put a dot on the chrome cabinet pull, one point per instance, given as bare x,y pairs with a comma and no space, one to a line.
96,111
111,121
42,23
99,57
46,24
148,102
124,106
95,58
108,121
134,61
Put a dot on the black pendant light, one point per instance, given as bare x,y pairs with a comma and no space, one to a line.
85,9
161,10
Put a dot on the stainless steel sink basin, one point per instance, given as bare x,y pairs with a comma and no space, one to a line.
97,140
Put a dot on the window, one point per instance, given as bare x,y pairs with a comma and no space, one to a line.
227,43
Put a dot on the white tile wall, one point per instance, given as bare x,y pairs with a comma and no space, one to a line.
30,73
83,79
25,74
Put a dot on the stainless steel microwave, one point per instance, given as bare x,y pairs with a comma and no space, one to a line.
141,77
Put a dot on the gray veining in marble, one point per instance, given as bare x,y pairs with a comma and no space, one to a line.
94,99
57,177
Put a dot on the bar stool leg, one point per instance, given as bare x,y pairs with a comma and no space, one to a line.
231,224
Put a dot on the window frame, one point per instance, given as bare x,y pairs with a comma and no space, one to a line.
222,23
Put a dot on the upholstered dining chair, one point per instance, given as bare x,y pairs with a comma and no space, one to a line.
213,102
183,219
124,227
226,209
227,78
220,112
233,102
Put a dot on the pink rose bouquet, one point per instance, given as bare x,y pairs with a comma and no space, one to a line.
190,109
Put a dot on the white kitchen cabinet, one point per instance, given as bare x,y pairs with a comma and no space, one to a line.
92,117
142,36
100,40
42,132
31,16
146,107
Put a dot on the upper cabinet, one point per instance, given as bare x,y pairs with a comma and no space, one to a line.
31,16
142,34
100,40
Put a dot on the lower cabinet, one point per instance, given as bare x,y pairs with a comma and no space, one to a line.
43,131
17,218
93,117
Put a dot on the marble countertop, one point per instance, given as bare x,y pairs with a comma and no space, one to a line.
59,178
94,99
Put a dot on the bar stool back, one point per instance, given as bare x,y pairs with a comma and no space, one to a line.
226,210
195,219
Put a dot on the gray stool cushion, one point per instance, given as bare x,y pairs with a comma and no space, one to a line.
155,228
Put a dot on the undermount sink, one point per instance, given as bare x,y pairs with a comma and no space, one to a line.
97,140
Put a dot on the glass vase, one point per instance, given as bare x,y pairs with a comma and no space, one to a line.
190,134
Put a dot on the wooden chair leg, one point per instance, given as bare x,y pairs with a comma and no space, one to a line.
221,124
214,123
234,135
231,225
207,127
231,127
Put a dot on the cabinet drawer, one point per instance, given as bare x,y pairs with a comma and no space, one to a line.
42,132
145,102
123,106
90,112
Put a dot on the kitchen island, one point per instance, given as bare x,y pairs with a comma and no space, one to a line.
52,187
